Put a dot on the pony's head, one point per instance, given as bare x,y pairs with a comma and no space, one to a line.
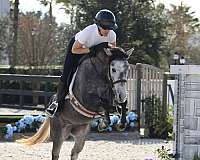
118,72
102,78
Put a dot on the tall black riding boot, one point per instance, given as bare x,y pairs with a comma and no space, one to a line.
62,91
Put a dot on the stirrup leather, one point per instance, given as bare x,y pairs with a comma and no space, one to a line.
52,108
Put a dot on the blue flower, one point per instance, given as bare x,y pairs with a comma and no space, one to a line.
114,120
28,119
109,129
94,124
14,128
39,118
131,117
10,131
21,124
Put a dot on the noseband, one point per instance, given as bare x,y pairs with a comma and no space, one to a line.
117,81
108,78
105,99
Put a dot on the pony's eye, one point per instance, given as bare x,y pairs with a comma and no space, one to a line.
114,70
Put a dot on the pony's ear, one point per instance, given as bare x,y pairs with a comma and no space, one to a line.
107,51
129,52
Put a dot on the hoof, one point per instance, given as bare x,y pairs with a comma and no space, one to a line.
102,127
121,127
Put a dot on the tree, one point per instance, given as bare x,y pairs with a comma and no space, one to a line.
141,25
183,24
193,45
15,34
4,37
39,44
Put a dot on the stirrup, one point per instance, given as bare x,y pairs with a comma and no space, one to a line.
52,108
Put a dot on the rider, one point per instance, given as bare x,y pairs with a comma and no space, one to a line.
83,43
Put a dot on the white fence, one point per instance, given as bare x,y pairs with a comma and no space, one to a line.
145,81
151,79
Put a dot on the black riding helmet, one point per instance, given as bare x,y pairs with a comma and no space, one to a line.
106,19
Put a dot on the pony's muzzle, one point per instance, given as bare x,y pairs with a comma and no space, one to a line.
120,96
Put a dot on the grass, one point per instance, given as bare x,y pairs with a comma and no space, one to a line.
9,119
10,116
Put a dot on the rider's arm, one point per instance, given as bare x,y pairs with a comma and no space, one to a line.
77,48
112,45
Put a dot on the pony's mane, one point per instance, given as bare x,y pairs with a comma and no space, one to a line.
118,53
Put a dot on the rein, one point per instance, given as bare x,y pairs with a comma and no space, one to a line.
117,81
109,78
78,106
103,101
109,88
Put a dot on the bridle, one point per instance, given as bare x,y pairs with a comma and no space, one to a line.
117,81
106,101
108,78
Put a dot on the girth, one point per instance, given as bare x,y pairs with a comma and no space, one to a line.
82,110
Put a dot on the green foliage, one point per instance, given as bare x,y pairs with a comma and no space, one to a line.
163,154
41,41
196,157
141,24
182,24
158,124
3,130
10,117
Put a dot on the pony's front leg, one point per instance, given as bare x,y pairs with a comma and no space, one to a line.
122,125
123,117
79,133
107,118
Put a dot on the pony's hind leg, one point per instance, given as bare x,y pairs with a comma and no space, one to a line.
79,133
59,132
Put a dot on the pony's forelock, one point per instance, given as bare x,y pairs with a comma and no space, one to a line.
118,53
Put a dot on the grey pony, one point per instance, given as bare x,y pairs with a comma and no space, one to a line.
94,88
